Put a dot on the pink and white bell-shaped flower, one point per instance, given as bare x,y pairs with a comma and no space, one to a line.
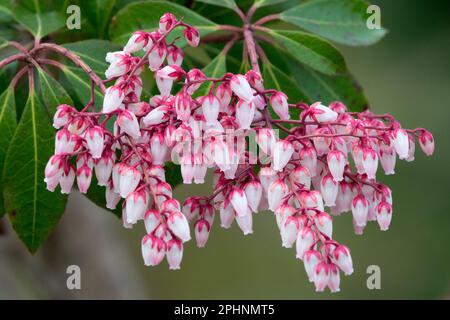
227,214
129,178
210,108
192,36
335,279
265,138
308,159
137,41
336,163
279,104
266,176
103,167
113,98
324,223
200,169
282,212
194,77
245,112
360,210
384,215
255,79
84,177
311,199
158,52
282,153
164,85
156,116
94,139
240,87
277,191
426,142
329,189
152,219
370,162
187,169
153,250
120,63
127,122
322,113
112,198
290,228
245,223
388,159
343,259
221,154
202,229
321,276
182,105
401,143
305,240
67,180
239,201
62,115
175,55
253,192
166,22
158,148
136,205
65,142
300,176
178,224
224,93
311,259
174,254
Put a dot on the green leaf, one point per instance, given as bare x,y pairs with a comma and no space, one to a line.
263,3
98,12
37,22
8,123
312,51
221,3
343,21
173,174
52,93
33,210
145,16
319,87
216,68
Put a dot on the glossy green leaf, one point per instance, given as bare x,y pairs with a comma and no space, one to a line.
312,51
33,210
145,16
216,68
8,123
263,3
38,21
319,87
51,92
98,12
343,21
221,3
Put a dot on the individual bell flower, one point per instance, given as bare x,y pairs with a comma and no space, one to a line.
187,169
370,162
277,191
127,122
253,192
304,242
329,189
400,141
164,85
194,77
240,87
324,223
279,104
113,98
103,167
210,108
174,253
227,214
426,142
158,148
136,204
221,154
311,259
308,159
153,250
94,138
112,198
290,228
224,93
311,199
282,153
158,52
336,163
138,40
411,149
265,138
166,22
360,210
200,169
192,36
345,196
238,200
84,177
255,79
388,158
245,112
175,55
62,115
202,229
65,142
321,276
343,259
178,224
322,113
182,104
120,64
78,125
335,280
245,223
152,219
282,212
300,176
338,107
384,215
67,179
129,179
156,116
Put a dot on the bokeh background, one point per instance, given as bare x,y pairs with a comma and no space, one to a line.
406,74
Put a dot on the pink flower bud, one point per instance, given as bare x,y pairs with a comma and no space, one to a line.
227,214
322,113
112,198
158,148
388,159
129,179
114,96
94,140
210,108
426,142
136,205
137,41
279,104
187,169
360,210
321,276
202,229
84,177
329,189
153,250
253,192
175,55
194,76
62,115
300,176
157,55
183,106
178,224
156,116
255,79
282,153
127,122
245,223
384,215
166,22
277,191
370,162
174,253
239,201
311,199
240,87
324,223
192,36
305,240
224,93
401,143
245,112
152,219
103,167
335,280
336,163
67,180
343,259
308,159
289,231
338,107
266,176
265,138
311,259
65,142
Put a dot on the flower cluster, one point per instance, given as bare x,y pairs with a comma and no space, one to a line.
292,167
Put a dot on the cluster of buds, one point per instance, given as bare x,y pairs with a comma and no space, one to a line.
292,167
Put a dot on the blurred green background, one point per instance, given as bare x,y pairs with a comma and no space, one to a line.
406,74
